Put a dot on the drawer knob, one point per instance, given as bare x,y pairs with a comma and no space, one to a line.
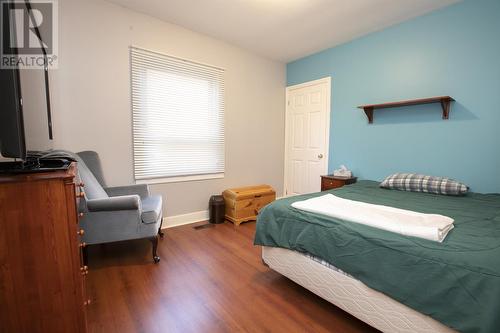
80,232
82,245
87,302
84,270
80,215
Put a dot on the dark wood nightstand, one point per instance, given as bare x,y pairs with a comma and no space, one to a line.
329,182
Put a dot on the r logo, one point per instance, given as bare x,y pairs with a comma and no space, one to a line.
30,31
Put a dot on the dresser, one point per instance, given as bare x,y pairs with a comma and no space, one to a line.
329,182
42,276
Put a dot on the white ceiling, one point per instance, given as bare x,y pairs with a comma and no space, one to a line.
285,30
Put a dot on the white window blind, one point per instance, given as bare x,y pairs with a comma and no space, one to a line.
178,116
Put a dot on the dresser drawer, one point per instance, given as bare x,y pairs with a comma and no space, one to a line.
331,182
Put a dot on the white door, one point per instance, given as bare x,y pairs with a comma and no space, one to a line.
306,136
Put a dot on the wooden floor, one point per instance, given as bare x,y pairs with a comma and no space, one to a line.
209,280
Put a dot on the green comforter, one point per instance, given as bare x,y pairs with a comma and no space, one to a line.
457,282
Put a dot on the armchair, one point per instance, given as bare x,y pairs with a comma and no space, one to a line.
120,213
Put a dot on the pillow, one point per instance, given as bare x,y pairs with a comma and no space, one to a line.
422,183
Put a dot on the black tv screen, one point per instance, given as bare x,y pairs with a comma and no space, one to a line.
24,102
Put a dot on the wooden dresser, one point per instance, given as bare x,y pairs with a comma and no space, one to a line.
42,278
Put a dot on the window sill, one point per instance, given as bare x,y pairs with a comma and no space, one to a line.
179,179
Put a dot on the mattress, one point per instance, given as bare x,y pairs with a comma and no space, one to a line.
349,294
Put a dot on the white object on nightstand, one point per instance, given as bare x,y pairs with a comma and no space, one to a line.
342,172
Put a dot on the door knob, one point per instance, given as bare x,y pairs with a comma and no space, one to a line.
320,156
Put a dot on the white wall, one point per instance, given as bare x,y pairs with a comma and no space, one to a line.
91,97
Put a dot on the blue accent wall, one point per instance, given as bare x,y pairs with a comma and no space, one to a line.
453,51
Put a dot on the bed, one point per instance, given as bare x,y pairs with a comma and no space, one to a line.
429,286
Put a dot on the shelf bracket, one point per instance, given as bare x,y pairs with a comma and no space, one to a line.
445,104
369,114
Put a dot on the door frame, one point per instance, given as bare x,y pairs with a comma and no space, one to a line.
328,81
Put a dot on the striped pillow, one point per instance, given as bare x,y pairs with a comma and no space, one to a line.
421,183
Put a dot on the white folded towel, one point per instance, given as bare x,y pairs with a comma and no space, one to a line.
434,227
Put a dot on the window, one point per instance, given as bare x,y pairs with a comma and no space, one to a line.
178,118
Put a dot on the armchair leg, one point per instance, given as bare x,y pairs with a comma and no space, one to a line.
160,232
154,241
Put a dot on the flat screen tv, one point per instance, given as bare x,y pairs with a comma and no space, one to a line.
25,114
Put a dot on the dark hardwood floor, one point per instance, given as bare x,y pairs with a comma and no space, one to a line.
209,280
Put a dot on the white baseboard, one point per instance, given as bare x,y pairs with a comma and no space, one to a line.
178,220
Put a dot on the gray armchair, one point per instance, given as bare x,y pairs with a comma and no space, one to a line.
114,214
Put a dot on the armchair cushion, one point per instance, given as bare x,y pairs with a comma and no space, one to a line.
151,209
124,202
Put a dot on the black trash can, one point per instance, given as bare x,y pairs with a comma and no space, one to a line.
217,209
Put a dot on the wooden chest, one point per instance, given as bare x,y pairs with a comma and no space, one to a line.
243,203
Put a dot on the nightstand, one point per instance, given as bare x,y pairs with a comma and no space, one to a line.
329,182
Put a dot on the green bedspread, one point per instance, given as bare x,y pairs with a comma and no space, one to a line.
457,282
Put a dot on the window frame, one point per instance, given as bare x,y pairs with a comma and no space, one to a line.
178,178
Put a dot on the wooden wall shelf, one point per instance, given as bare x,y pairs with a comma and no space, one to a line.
443,100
